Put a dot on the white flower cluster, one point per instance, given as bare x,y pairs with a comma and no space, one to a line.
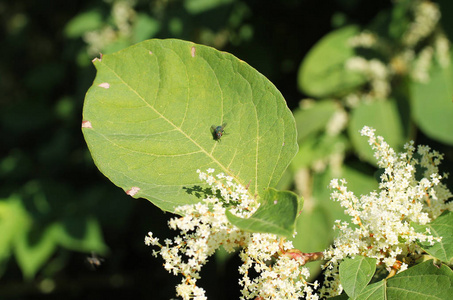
380,222
364,39
375,71
426,17
204,227
123,17
284,279
420,70
412,57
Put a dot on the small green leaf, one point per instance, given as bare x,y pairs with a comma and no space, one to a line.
356,273
322,73
432,103
442,226
314,118
277,214
145,27
147,121
82,23
423,281
382,116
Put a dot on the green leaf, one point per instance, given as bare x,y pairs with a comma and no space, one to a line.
314,118
277,214
199,6
318,148
145,27
432,103
82,23
322,73
83,235
356,273
442,226
382,116
424,281
14,220
148,117
33,248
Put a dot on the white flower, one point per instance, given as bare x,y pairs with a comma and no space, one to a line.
382,219
204,227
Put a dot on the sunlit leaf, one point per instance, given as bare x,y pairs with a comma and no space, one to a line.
147,121
424,281
277,214
356,273
442,227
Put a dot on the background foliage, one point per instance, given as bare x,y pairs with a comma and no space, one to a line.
55,205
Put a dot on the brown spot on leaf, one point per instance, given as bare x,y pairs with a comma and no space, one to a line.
192,51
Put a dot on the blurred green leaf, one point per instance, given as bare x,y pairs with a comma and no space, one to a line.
150,112
277,214
382,116
356,273
199,6
432,103
323,73
82,23
313,118
88,239
13,220
423,281
399,20
32,249
318,148
442,226
145,27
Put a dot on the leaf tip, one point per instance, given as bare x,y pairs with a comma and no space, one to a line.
192,51
133,191
104,85
86,124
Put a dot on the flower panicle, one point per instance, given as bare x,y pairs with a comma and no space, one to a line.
204,227
380,222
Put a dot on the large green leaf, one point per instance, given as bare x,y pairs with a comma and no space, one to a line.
424,281
432,104
147,121
323,72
